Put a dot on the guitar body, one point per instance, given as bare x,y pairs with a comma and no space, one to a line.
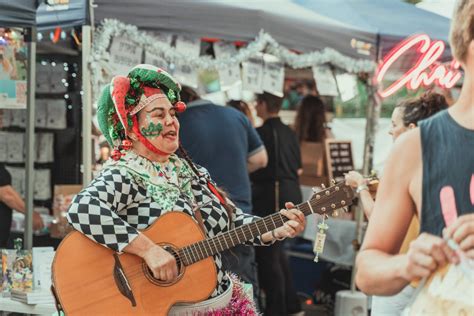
84,281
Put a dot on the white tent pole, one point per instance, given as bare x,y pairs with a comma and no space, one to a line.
30,137
86,107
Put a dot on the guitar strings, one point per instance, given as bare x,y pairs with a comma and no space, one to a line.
137,270
200,247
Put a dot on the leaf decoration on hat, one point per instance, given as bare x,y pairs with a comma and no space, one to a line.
104,107
119,90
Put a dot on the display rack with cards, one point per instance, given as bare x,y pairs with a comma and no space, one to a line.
57,129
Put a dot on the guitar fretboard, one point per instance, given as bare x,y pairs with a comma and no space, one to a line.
208,247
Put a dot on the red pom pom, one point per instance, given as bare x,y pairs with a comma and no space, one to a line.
116,154
126,144
180,106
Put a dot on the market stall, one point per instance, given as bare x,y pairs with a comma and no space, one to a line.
30,117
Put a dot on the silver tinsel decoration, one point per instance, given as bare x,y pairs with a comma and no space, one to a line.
101,74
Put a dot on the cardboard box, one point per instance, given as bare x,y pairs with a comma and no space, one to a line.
63,196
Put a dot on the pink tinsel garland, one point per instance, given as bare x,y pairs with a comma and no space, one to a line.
240,303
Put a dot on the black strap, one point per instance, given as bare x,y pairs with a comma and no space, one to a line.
277,181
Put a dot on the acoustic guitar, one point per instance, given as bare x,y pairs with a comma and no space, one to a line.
90,279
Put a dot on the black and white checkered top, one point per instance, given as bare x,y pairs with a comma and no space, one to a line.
115,205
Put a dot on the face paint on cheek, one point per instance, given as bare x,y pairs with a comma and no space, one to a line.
152,130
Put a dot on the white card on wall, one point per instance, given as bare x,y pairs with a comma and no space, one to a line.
188,46
273,76
44,147
15,147
18,179
42,184
18,118
252,74
347,86
155,60
43,77
56,114
325,81
186,75
229,76
3,146
224,49
5,117
41,113
58,78
124,54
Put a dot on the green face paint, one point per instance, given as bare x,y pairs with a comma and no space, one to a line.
153,130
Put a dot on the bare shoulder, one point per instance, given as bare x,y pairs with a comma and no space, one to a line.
407,150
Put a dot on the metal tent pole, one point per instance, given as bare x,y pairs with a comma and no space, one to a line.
86,107
30,137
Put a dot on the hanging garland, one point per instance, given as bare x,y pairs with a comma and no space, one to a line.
264,42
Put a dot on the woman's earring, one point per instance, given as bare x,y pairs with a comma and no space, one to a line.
126,144
116,154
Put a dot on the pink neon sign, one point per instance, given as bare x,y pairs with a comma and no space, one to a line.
425,72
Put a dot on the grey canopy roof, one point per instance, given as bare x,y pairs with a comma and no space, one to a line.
18,13
387,20
29,13
303,25
75,15
290,24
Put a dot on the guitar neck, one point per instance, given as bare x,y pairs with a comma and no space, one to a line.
320,203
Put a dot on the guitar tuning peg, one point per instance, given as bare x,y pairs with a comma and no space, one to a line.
315,189
333,181
346,209
323,186
335,213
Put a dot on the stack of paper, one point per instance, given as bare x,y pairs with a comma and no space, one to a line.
40,296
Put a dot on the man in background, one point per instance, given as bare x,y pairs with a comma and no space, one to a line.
222,140
10,199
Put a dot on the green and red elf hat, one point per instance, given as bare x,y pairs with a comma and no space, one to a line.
124,97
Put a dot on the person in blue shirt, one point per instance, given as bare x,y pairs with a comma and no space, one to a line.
223,140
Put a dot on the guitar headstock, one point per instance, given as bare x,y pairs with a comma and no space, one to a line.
329,200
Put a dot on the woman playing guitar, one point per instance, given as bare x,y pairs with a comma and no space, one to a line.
146,180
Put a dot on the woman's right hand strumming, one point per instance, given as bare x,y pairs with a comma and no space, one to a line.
161,263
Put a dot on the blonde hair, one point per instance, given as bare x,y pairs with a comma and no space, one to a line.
462,28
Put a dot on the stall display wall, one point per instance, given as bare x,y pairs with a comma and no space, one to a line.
57,130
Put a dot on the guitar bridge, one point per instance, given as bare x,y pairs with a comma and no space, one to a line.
122,282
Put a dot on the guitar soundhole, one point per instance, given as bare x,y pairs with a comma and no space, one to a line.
181,268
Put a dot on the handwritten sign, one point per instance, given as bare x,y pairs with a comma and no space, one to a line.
155,60
229,75
186,75
339,158
273,77
252,74
325,80
124,54
188,46
426,71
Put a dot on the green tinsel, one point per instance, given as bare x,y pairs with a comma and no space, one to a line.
154,79
105,105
